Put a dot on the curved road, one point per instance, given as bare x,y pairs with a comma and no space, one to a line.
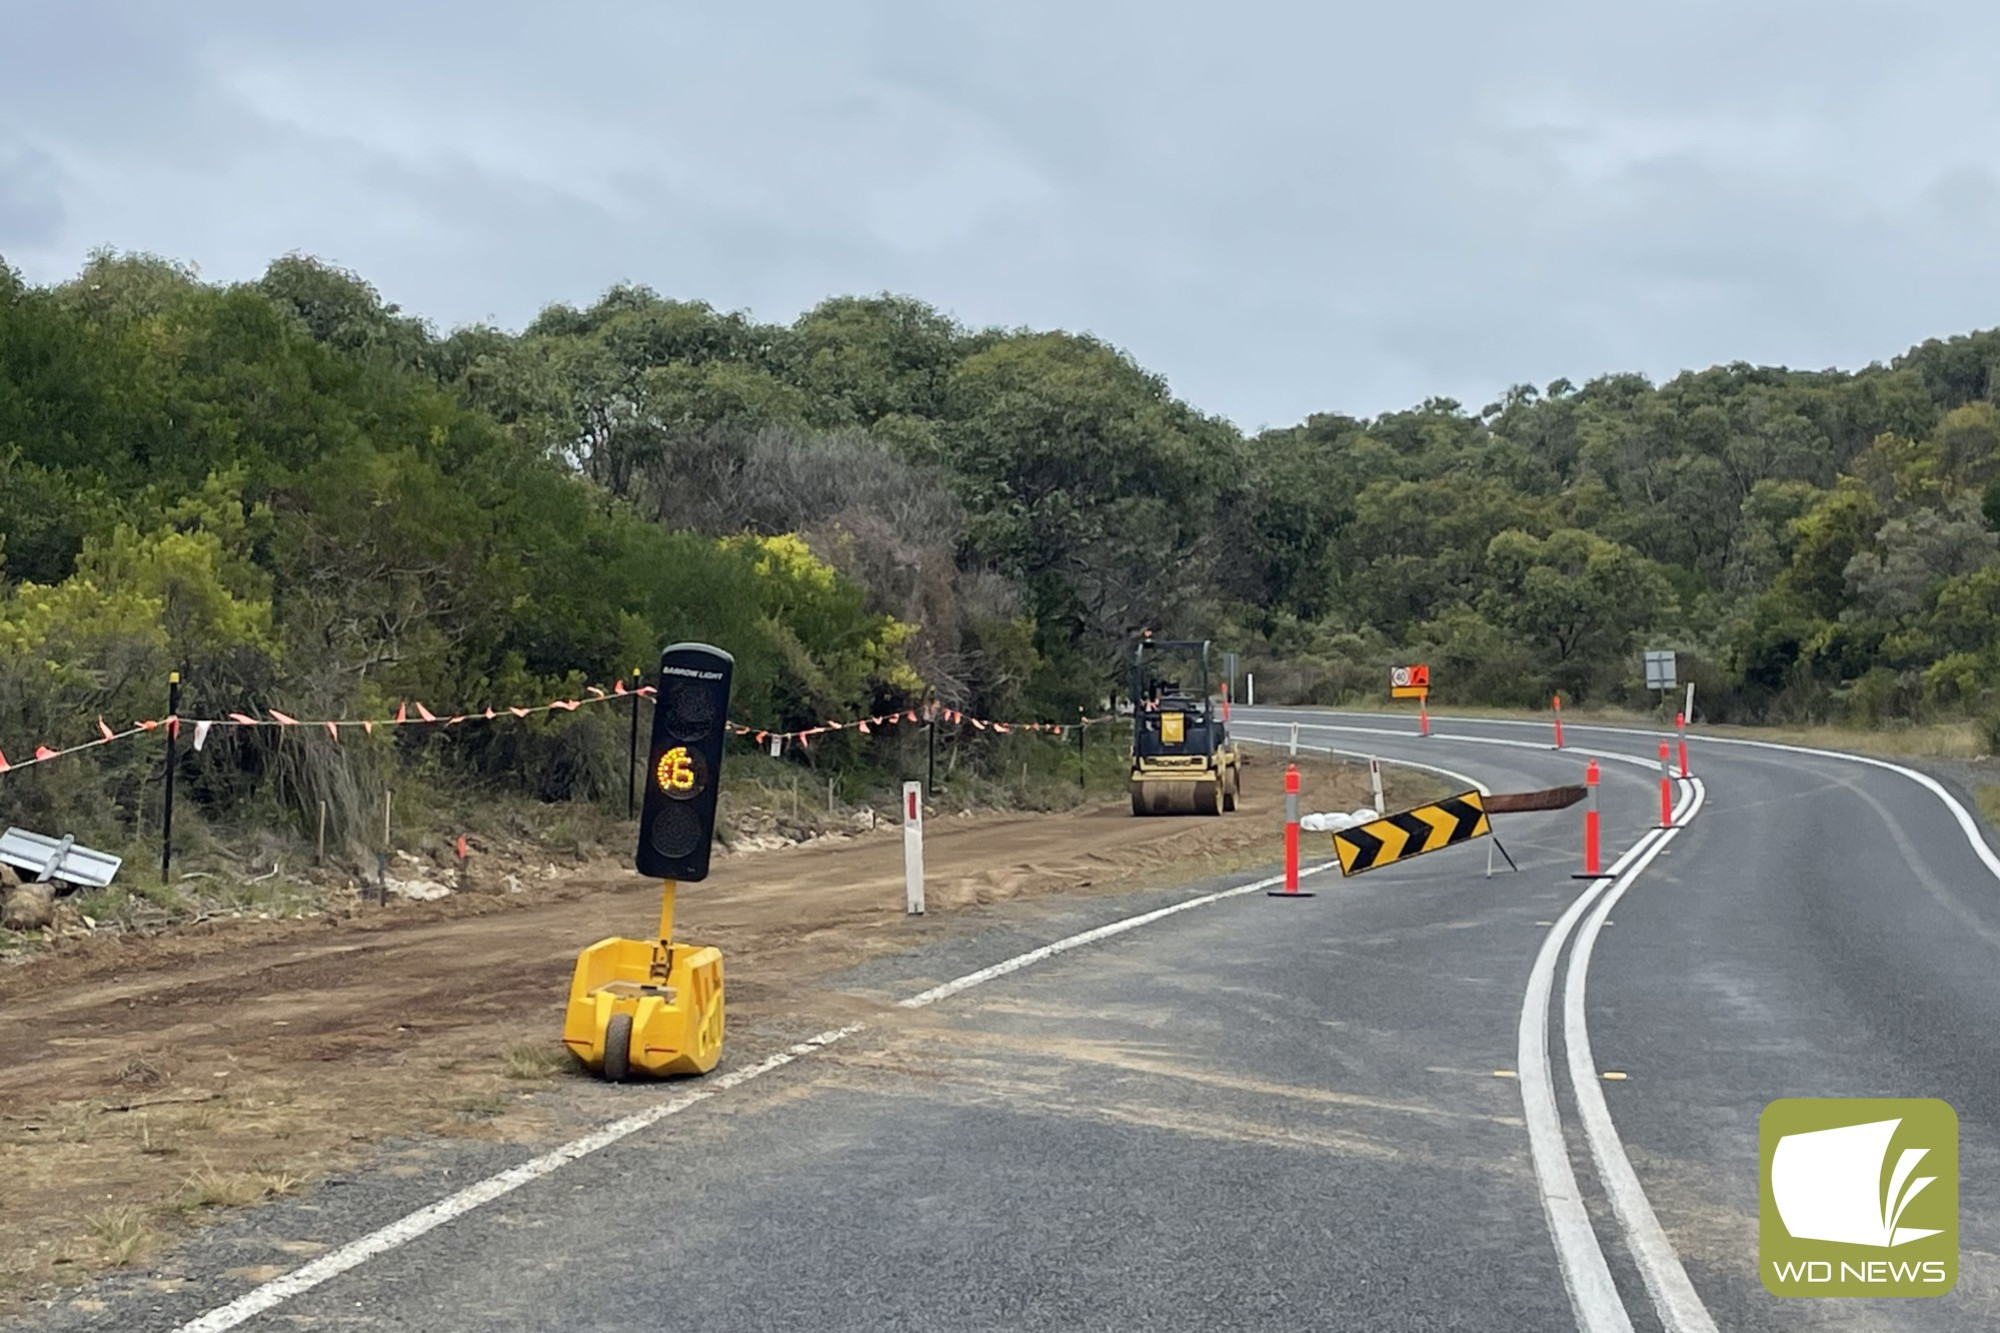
1257,1113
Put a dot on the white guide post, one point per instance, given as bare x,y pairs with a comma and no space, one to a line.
913,848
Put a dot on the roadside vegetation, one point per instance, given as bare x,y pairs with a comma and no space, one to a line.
302,498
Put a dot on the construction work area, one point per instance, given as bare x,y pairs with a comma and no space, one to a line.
147,1079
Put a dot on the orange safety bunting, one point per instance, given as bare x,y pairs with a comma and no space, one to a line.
426,714
864,729
287,721
4,765
402,713
368,727
594,690
618,686
243,719
44,752
333,730
518,712
489,712
106,730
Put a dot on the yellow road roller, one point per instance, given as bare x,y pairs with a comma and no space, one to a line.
1183,761
654,1007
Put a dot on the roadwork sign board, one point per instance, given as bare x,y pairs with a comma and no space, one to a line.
1398,837
1660,671
1409,682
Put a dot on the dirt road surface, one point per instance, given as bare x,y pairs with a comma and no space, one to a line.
145,1081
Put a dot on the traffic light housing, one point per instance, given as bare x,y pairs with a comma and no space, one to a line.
684,762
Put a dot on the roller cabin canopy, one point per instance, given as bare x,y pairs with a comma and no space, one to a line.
1161,699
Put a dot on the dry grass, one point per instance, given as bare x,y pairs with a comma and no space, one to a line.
1933,740
534,1061
210,1188
121,1233
1988,796
1930,740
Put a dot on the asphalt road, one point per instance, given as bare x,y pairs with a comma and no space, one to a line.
1261,1113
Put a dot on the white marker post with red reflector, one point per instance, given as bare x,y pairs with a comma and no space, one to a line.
913,848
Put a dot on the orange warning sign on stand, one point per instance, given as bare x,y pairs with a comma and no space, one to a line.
1409,682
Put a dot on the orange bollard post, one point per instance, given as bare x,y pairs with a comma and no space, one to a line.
1591,861
1666,789
1424,714
1559,721
1291,889
1681,725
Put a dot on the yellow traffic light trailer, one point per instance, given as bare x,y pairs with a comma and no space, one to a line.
655,1006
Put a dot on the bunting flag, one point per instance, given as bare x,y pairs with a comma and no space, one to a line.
868,726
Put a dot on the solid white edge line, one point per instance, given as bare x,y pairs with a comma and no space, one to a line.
406,1229
1612,755
1077,941
1966,823
1592,1293
1453,774
1680,1307
1582,1259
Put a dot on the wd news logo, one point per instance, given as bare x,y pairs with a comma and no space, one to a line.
1859,1197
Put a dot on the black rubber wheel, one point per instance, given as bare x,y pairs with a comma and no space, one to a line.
618,1048
1229,795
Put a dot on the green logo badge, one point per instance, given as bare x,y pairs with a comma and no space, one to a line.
1859,1197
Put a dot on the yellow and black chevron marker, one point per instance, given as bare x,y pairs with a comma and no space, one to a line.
1397,837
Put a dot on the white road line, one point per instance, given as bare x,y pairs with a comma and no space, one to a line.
1033,956
1966,823
1612,755
1674,1297
1453,774
406,1229
1592,1294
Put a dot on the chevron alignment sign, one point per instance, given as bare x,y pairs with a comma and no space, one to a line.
1427,828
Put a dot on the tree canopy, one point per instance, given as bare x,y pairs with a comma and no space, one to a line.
300,495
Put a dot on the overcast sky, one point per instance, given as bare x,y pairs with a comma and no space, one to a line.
1284,207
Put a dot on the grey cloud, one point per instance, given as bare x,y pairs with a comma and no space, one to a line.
1283,207
31,205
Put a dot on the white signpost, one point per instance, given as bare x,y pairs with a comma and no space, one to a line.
913,848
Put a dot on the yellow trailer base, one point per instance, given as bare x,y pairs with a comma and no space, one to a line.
622,1020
